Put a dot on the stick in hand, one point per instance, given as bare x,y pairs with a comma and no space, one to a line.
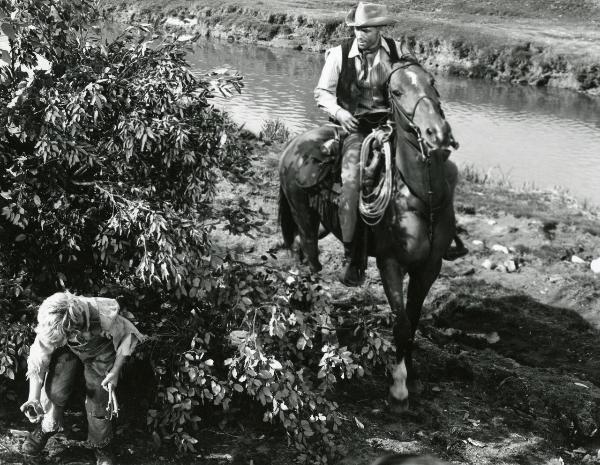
112,408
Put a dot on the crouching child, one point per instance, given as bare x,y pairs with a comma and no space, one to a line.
71,329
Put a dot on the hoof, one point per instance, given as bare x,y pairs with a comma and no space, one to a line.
352,276
315,268
397,405
415,387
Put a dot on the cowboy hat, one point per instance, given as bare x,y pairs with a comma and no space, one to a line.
368,15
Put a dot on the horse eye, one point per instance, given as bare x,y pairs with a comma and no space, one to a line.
396,92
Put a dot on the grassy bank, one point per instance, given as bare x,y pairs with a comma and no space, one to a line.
539,43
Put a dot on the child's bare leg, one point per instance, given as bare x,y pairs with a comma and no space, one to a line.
54,397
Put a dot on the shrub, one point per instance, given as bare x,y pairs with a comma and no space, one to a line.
110,158
277,345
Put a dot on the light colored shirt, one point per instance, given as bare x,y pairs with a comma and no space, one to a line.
125,336
325,92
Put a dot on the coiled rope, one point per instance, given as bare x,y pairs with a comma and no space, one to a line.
372,206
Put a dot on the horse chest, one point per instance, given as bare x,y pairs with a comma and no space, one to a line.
403,236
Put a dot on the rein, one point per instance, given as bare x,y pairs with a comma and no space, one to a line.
425,156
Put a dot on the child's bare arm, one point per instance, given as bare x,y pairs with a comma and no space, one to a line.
39,358
112,377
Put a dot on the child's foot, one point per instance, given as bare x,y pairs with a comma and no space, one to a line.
36,441
104,456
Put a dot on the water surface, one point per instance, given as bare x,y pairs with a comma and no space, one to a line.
546,138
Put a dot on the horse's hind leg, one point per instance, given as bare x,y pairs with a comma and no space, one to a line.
308,222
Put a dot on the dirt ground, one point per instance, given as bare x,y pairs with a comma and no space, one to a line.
508,358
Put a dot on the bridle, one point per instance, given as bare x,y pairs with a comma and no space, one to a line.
409,117
410,126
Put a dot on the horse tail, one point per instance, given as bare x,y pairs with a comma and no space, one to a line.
289,229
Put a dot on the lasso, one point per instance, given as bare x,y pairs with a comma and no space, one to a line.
372,206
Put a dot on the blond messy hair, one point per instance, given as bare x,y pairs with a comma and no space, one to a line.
56,315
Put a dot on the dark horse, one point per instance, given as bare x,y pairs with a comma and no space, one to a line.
418,224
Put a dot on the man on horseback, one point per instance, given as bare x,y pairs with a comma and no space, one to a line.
352,89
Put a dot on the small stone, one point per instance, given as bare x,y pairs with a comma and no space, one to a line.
501,268
487,264
477,242
576,259
491,222
595,265
500,248
511,266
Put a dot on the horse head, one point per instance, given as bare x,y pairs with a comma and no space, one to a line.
417,108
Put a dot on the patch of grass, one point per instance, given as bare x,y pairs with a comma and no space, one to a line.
274,131
491,177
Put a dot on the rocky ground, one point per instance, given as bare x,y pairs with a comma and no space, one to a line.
507,347
535,42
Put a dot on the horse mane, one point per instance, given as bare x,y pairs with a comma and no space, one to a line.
408,58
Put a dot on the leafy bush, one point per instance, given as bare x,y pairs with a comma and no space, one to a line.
110,158
270,336
109,165
14,339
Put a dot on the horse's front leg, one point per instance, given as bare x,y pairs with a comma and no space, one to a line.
420,281
392,277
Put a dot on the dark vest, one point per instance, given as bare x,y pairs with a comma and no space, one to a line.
348,90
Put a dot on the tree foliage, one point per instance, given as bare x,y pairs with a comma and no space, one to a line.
110,159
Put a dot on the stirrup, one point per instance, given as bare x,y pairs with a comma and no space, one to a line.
454,253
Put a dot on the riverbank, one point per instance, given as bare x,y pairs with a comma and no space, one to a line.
538,43
507,346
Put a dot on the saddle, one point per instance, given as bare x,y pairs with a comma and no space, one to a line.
321,169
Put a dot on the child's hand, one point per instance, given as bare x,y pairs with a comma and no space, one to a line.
33,410
111,378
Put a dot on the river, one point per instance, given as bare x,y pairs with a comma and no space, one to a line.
545,138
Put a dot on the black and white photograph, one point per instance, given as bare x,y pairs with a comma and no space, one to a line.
320,232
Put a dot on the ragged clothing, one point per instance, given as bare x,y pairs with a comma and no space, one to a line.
124,335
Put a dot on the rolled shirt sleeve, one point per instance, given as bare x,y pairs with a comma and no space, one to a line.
325,92
124,334
39,358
